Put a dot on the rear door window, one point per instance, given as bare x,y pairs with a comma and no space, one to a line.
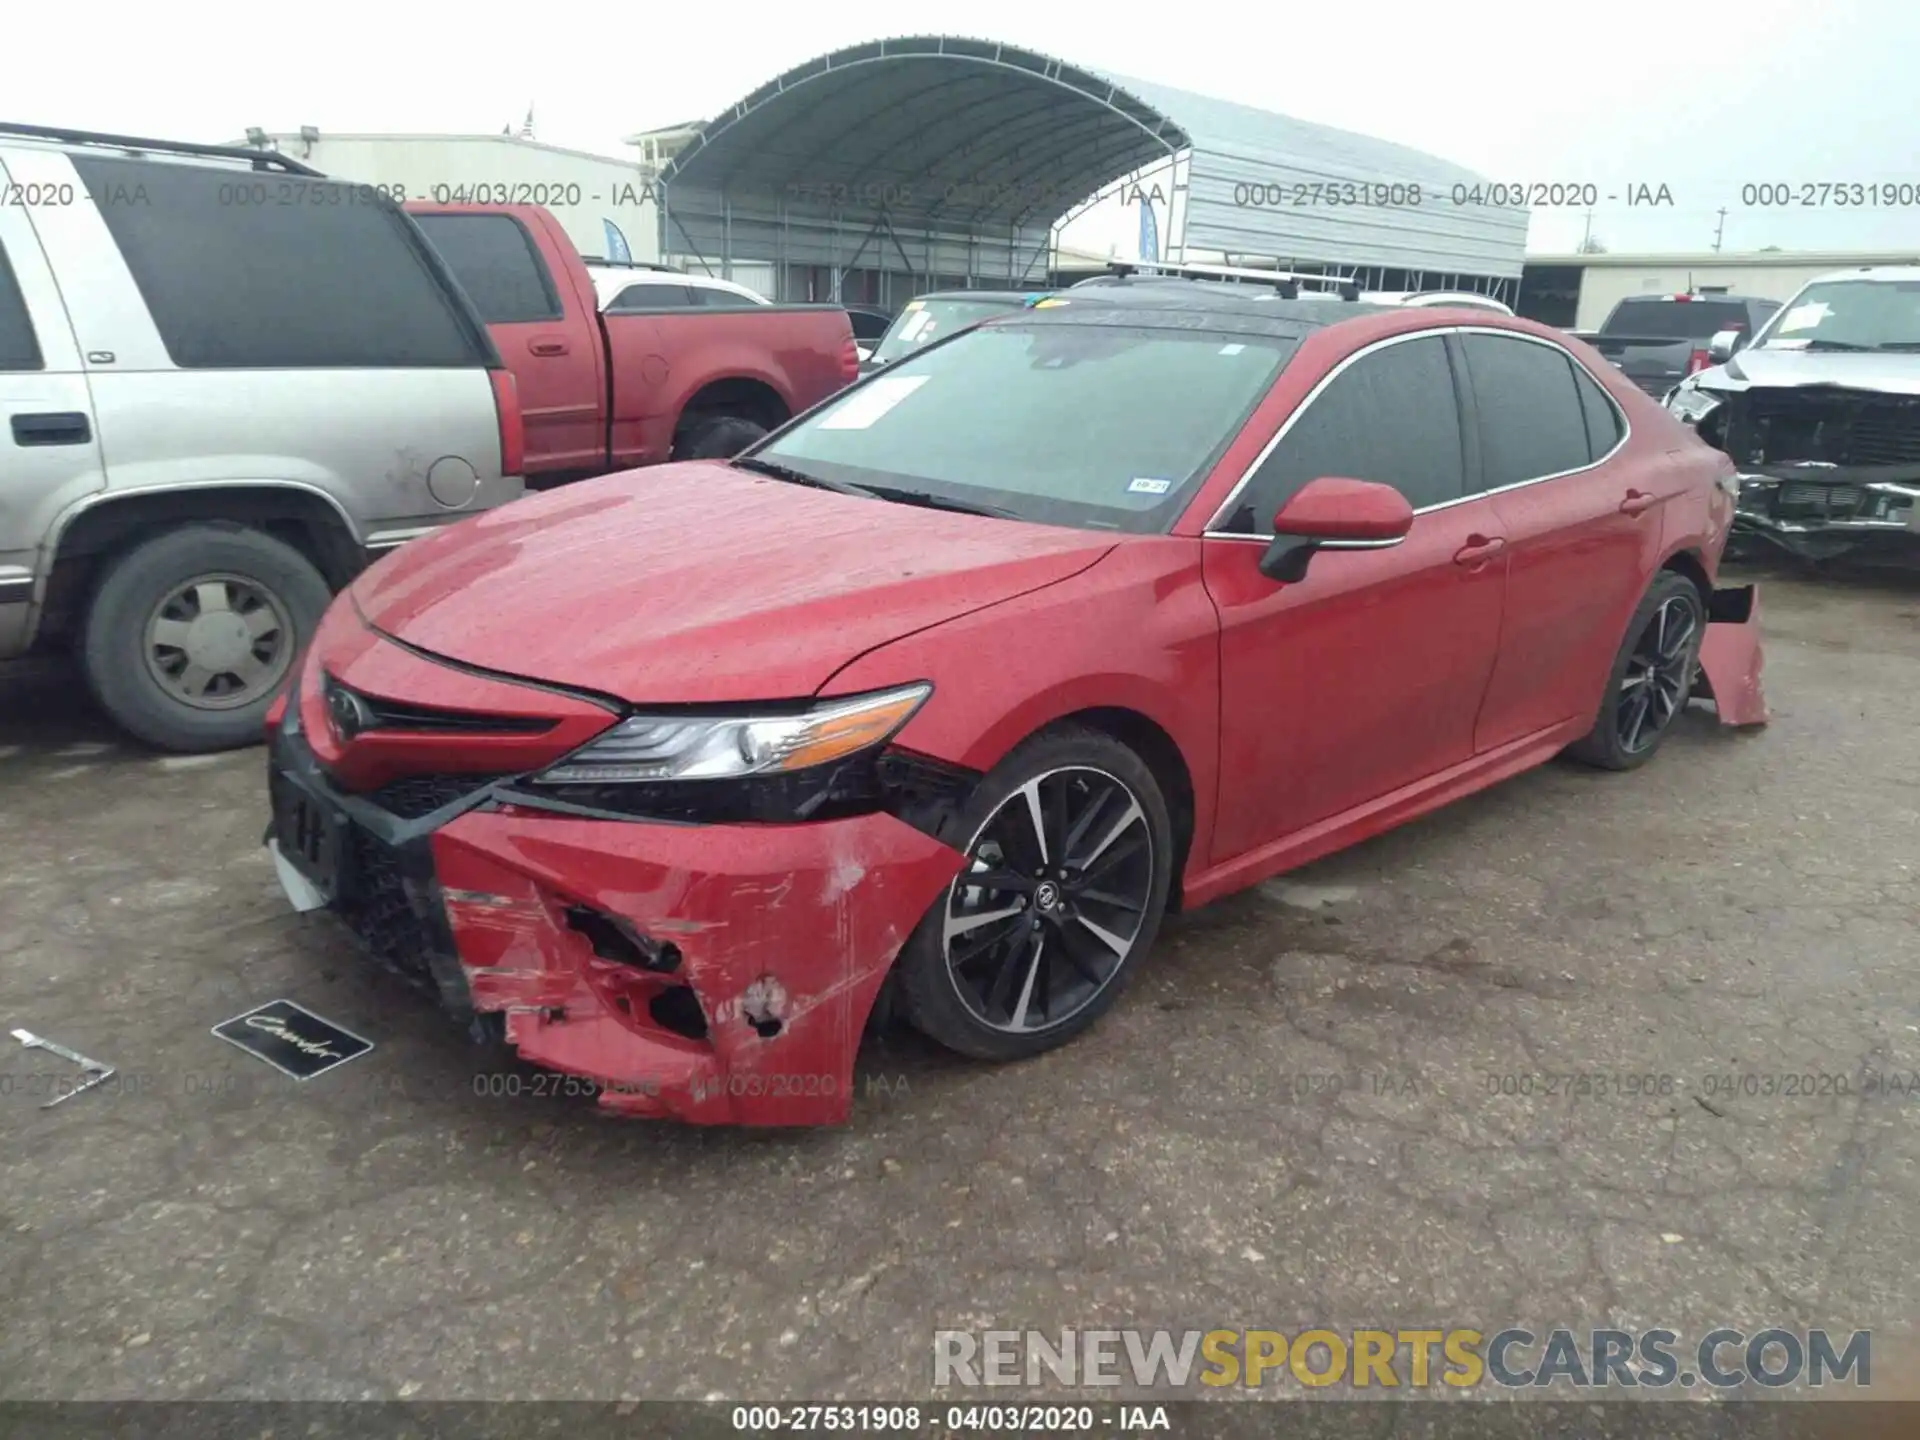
1391,417
247,270
19,350
496,263
1532,421
1675,319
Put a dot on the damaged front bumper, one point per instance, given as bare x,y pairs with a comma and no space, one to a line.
718,974
1820,512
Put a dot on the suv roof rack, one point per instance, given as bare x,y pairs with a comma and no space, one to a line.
1287,282
258,159
606,264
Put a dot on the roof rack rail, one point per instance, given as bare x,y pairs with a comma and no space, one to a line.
1287,282
258,159
607,264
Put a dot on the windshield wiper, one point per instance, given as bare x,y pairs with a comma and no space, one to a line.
798,477
1898,345
929,501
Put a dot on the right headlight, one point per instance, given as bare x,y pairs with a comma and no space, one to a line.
650,749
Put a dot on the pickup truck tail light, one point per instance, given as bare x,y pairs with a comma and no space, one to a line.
849,359
513,429
1696,362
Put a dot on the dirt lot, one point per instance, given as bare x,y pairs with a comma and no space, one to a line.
1295,1116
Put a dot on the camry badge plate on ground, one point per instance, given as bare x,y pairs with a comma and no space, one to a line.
293,1040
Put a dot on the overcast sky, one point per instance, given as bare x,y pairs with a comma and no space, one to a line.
1703,98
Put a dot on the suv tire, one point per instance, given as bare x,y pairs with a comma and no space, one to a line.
211,610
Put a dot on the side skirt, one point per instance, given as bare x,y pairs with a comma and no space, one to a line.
1386,812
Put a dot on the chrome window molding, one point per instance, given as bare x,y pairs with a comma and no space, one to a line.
1225,508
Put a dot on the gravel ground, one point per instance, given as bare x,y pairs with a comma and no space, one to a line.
1295,1116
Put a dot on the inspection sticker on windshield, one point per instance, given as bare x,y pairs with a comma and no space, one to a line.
1805,317
872,400
1150,487
1231,349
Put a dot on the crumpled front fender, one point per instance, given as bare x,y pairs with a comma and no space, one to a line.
1731,657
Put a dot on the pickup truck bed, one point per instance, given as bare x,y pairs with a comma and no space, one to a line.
611,392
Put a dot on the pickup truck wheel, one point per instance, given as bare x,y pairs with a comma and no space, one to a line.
719,438
190,634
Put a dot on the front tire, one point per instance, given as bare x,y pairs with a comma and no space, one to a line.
191,633
1651,679
1069,860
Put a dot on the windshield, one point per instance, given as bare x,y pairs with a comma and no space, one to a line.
1675,319
1849,314
924,321
1103,426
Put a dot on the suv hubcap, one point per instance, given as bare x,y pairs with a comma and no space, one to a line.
218,642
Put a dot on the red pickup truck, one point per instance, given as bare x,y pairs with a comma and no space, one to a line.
610,392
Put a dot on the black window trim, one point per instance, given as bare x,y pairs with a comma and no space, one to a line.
1224,511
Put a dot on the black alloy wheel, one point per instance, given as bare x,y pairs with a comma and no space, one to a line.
1659,674
1652,677
1063,887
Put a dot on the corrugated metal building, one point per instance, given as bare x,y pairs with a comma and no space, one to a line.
587,193
1580,291
889,168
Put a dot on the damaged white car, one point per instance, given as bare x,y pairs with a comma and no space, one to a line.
1822,415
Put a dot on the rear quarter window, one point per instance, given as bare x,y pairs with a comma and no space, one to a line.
248,271
495,261
19,350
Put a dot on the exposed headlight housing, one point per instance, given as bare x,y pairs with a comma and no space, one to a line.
650,749
1692,404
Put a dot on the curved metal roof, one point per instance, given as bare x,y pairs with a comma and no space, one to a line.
972,131
951,142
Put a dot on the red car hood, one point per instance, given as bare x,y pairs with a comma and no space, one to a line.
697,582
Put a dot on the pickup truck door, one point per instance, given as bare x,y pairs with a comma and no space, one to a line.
49,445
512,262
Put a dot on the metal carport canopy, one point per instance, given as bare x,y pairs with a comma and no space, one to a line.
944,155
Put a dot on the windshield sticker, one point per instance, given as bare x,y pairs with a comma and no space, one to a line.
1805,317
871,401
921,321
1150,487
1231,349
913,305
1047,304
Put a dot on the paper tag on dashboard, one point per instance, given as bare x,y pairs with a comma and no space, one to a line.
871,401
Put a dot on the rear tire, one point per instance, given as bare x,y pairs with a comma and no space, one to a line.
1651,679
191,633
1032,941
719,438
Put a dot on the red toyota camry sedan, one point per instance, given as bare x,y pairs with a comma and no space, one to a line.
947,692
